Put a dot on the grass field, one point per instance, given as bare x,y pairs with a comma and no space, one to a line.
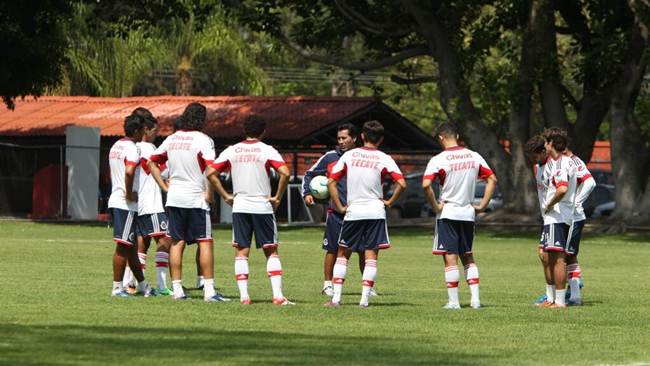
55,306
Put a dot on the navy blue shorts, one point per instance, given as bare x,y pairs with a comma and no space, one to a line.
263,225
333,225
124,223
453,237
191,225
575,235
554,237
152,225
361,235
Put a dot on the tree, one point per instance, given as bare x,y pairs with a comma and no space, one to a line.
34,44
458,36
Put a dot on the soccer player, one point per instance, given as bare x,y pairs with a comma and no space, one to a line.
123,204
559,177
188,152
457,169
346,137
152,219
252,204
364,223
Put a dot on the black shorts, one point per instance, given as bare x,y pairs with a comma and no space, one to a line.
263,225
361,235
152,225
191,225
124,223
575,234
453,237
554,237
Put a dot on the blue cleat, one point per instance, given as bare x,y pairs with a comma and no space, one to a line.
216,298
181,298
120,293
540,300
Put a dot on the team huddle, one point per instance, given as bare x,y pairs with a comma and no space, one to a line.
186,168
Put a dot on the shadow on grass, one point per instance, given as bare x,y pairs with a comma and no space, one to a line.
87,344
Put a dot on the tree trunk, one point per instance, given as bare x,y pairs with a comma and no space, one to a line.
629,153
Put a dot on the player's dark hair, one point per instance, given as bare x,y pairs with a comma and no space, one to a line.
193,117
447,129
132,124
535,145
148,119
373,132
352,129
177,124
557,137
254,126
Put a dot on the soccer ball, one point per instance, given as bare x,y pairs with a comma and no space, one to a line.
318,187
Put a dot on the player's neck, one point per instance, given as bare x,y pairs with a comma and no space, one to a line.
450,144
370,145
555,155
251,140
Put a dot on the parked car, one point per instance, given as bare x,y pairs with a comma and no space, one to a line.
601,201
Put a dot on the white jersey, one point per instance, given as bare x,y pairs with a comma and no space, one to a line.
538,171
585,185
187,153
457,168
123,153
149,194
365,169
560,172
249,162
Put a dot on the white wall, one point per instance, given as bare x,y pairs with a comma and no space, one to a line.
82,159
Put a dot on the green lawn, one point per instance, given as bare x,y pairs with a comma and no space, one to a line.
55,306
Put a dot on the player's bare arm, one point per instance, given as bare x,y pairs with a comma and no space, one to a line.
155,173
431,197
334,196
490,186
283,171
209,195
215,182
559,194
129,174
400,185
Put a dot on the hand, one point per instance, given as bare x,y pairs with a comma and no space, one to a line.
133,197
438,207
229,199
275,202
479,208
309,200
342,209
388,203
209,198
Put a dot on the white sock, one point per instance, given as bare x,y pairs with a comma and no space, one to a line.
452,277
241,275
199,281
340,270
471,275
128,277
117,287
143,261
327,284
274,270
550,293
208,288
574,272
369,276
162,268
560,297
177,287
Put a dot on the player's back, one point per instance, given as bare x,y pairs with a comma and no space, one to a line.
582,174
560,172
123,153
538,171
149,194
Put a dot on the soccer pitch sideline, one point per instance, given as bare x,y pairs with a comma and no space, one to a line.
55,306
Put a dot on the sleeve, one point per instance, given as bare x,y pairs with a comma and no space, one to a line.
582,173
222,163
391,169
484,171
561,174
132,156
585,189
159,156
207,151
145,153
340,169
433,170
319,168
273,158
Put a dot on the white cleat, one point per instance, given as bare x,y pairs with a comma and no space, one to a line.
328,291
283,302
475,305
449,306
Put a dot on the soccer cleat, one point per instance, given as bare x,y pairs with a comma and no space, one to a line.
331,304
373,293
120,293
363,305
577,302
475,305
149,292
180,298
165,292
216,298
131,290
450,306
282,301
557,306
540,300
245,301
545,304
328,291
